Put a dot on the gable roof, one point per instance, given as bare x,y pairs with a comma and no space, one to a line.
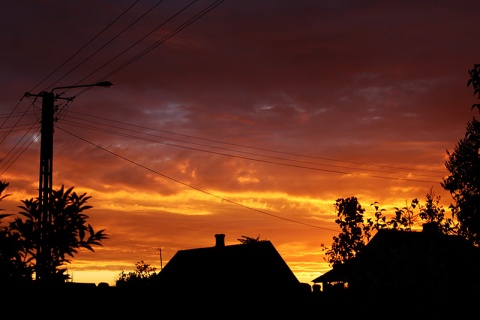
241,267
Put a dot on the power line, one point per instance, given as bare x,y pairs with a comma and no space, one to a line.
190,186
9,163
123,124
107,43
81,49
136,132
184,25
157,43
258,160
12,156
123,128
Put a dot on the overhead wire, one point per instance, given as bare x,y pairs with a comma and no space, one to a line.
252,159
151,47
115,131
81,49
4,167
13,128
168,36
18,149
69,59
191,186
196,17
108,42
8,118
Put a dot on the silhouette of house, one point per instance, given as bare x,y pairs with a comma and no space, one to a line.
419,268
228,272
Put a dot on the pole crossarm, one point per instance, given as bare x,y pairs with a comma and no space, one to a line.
106,84
43,93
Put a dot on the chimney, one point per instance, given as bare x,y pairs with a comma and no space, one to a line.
219,240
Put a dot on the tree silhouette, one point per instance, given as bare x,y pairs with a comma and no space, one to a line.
14,265
434,214
474,81
247,240
142,276
463,182
355,232
67,232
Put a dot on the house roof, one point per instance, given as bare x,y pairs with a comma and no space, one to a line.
419,255
249,266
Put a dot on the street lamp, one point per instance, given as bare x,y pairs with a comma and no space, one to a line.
43,263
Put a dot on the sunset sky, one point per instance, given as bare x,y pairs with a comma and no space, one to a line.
247,118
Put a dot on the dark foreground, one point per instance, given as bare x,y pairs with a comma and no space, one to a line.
107,302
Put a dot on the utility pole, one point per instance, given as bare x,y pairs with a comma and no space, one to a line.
45,184
44,262
161,263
